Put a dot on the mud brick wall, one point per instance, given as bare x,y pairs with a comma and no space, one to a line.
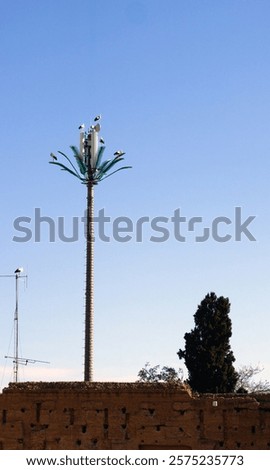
67,415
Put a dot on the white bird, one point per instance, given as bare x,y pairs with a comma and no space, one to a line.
119,153
97,118
54,157
81,126
18,270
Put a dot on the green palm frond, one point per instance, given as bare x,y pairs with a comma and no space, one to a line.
79,159
99,156
110,164
65,168
103,165
68,159
76,152
119,169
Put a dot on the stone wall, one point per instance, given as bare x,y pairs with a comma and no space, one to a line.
129,416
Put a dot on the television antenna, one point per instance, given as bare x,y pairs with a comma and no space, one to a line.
16,359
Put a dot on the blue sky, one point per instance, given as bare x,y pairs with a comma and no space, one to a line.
183,88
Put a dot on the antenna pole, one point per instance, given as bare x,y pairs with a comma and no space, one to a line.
16,331
16,361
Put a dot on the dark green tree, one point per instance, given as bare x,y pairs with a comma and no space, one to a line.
156,374
207,354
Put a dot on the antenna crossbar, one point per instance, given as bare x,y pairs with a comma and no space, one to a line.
24,361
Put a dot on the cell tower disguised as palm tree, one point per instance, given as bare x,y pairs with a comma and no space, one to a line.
90,171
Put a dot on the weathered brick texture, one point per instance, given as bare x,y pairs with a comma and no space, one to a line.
81,415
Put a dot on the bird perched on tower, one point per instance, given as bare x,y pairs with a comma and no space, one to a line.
119,153
18,270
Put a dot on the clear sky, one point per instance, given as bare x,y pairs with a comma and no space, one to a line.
183,88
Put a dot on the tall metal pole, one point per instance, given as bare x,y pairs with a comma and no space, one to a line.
16,331
16,359
89,292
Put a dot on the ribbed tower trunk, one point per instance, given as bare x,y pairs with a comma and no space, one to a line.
89,292
16,334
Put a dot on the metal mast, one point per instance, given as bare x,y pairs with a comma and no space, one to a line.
16,325
17,275
16,332
16,359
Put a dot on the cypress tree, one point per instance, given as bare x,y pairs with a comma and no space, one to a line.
207,354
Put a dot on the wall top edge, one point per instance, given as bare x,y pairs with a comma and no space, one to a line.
99,386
